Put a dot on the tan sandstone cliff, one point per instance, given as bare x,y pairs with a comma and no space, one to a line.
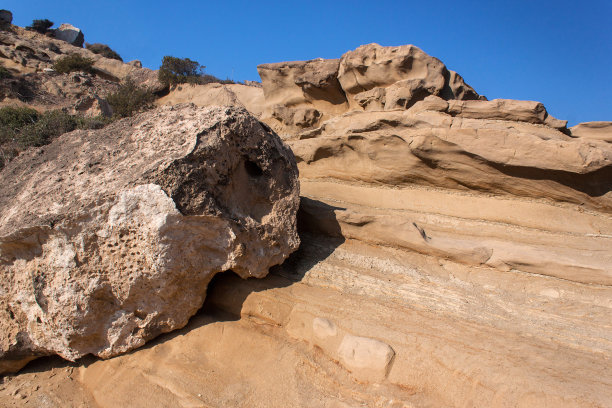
456,252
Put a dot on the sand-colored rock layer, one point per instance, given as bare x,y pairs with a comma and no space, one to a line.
456,252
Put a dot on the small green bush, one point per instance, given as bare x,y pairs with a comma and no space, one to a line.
41,26
175,71
129,99
15,118
21,128
103,50
49,125
73,62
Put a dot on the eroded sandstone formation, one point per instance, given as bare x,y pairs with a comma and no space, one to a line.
475,262
109,238
454,252
467,147
303,94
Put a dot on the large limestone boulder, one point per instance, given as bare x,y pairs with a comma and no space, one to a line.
109,238
70,34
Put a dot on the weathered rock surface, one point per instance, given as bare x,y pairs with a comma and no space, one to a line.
297,90
109,238
70,34
249,97
6,17
405,74
303,94
380,167
505,109
593,130
455,252
474,216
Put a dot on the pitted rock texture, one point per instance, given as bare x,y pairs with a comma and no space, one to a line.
109,238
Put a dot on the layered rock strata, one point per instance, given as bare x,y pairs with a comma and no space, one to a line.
455,252
386,165
109,238
477,242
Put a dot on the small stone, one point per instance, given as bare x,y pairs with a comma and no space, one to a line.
367,359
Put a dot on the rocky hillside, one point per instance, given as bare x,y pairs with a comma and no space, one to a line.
455,251
29,56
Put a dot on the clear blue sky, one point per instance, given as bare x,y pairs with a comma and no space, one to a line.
557,52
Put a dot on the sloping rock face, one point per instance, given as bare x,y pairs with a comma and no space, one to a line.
303,94
249,97
109,238
593,130
453,254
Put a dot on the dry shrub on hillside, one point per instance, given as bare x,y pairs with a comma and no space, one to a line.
23,127
174,71
73,62
104,50
41,26
129,99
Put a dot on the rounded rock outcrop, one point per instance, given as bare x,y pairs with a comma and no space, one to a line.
70,34
109,238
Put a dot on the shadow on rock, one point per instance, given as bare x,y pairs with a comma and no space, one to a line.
320,235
